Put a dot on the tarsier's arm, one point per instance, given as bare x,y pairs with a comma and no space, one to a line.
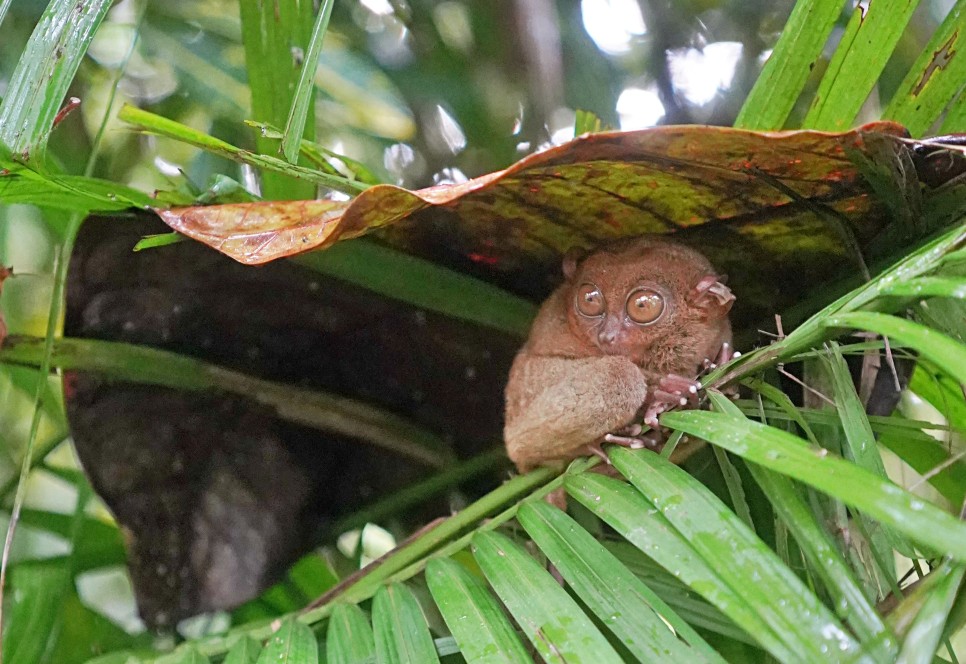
557,406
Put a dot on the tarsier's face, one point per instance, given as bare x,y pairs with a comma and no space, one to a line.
625,302
623,318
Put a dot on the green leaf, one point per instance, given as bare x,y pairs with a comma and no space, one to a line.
860,447
585,122
476,619
794,56
741,559
82,630
292,643
928,286
628,608
159,240
31,609
736,492
933,459
955,120
276,37
682,600
161,126
921,521
849,601
870,37
635,518
937,347
95,543
555,625
923,636
935,78
944,394
826,562
302,98
44,72
349,639
400,629
245,651
73,193
782,400
185,655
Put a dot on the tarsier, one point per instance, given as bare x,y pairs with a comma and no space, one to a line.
621,341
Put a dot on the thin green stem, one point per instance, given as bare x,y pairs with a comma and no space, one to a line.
161,126
311,408
419,492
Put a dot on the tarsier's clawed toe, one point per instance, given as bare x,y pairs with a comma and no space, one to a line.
629,436
725,355
649,440
672,391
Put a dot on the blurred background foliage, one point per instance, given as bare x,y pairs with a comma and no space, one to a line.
419,91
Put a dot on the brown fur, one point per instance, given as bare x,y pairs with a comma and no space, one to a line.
567,388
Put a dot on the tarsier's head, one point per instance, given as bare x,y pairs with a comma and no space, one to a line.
644,296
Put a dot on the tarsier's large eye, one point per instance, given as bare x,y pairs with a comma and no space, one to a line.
645,306
590,301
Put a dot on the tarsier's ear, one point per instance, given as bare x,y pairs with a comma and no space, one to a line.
570,261
713,296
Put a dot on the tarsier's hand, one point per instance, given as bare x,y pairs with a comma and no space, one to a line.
672,390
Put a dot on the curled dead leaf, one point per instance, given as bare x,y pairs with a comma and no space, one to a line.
775,210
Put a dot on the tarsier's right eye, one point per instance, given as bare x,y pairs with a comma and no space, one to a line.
590,301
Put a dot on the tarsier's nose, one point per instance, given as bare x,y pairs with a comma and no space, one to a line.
607,336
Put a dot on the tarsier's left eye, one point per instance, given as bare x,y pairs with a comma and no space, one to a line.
645,306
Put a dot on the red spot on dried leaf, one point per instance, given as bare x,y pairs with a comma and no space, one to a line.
485,259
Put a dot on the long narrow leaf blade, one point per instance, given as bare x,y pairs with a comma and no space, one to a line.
476,619
742,560
400,629
43,74
245,651
276,36
784,75
631,515
921,521
860,447
924,635
621,601
349,639
553,622
942,350
302,98
935,78
869,40
849,601
292,643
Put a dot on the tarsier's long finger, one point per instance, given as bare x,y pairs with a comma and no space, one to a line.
631,430
726,354
677,384
629,441
670,398
650,416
